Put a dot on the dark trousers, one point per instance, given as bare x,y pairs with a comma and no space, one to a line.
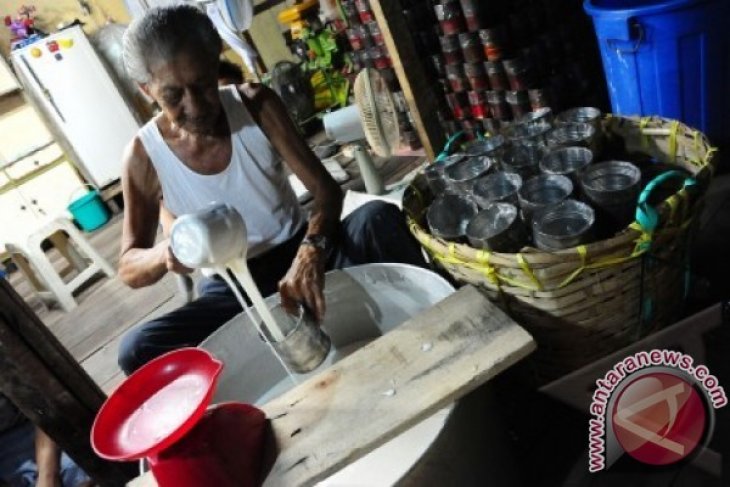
375,232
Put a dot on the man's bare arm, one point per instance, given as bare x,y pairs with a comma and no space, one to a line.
142,262
304,282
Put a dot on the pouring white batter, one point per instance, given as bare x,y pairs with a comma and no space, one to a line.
216,238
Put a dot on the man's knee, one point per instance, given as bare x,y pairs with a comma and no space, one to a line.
131,350
373,215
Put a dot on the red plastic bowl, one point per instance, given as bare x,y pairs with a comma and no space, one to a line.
156,406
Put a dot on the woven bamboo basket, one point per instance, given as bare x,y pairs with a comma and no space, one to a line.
583,303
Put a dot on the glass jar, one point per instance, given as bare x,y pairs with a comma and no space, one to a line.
498,105
365,38
497,77
478,104
451,49
379,57
351,14
364,57
450,17
471,14
519,73
457,78
476,76
492,43
364,11
519,103
375,33
471,47
353,35
459,105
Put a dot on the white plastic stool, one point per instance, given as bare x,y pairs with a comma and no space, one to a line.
29,256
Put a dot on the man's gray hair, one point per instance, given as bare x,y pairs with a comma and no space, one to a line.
162,33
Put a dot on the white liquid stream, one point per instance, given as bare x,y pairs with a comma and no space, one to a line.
240,270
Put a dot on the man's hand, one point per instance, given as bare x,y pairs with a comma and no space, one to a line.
304,283
172,264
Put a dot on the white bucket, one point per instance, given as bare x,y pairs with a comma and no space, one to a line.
362,303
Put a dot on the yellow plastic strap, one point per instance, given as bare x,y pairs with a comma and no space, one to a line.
708,158
528,272
673,140
489,271
642,125
583,253
672,202
697,141
451,258
643,242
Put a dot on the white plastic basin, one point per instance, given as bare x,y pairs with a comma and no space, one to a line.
362,303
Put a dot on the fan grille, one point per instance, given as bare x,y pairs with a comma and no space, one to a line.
377,111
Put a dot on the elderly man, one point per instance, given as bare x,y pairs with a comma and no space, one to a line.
227,146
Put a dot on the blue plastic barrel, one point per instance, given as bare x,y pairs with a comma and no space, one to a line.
668,58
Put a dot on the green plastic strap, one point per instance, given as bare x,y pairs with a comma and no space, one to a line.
449,143
647,216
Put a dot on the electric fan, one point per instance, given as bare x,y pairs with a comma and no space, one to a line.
374,118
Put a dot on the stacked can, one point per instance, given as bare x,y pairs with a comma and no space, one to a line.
499,61
369,51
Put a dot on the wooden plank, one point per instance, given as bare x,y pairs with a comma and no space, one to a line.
102,364
408,65
390,385
44,381
113,309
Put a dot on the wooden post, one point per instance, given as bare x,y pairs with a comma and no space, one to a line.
50,388
407,61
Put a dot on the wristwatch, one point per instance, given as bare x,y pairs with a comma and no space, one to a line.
320,242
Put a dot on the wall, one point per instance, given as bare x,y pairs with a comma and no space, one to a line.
265,31
266,34
51,13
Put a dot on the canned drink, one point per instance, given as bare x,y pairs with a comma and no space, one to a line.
450,17
476,76
497,76
471,47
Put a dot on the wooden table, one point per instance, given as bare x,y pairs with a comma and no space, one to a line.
380,391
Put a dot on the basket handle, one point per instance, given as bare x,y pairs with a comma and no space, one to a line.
76,191
449,143
646,215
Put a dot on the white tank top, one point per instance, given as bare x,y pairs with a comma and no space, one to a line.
254,182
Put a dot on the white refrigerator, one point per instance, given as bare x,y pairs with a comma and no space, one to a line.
70,81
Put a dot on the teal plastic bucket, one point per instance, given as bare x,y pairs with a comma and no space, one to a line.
89,211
